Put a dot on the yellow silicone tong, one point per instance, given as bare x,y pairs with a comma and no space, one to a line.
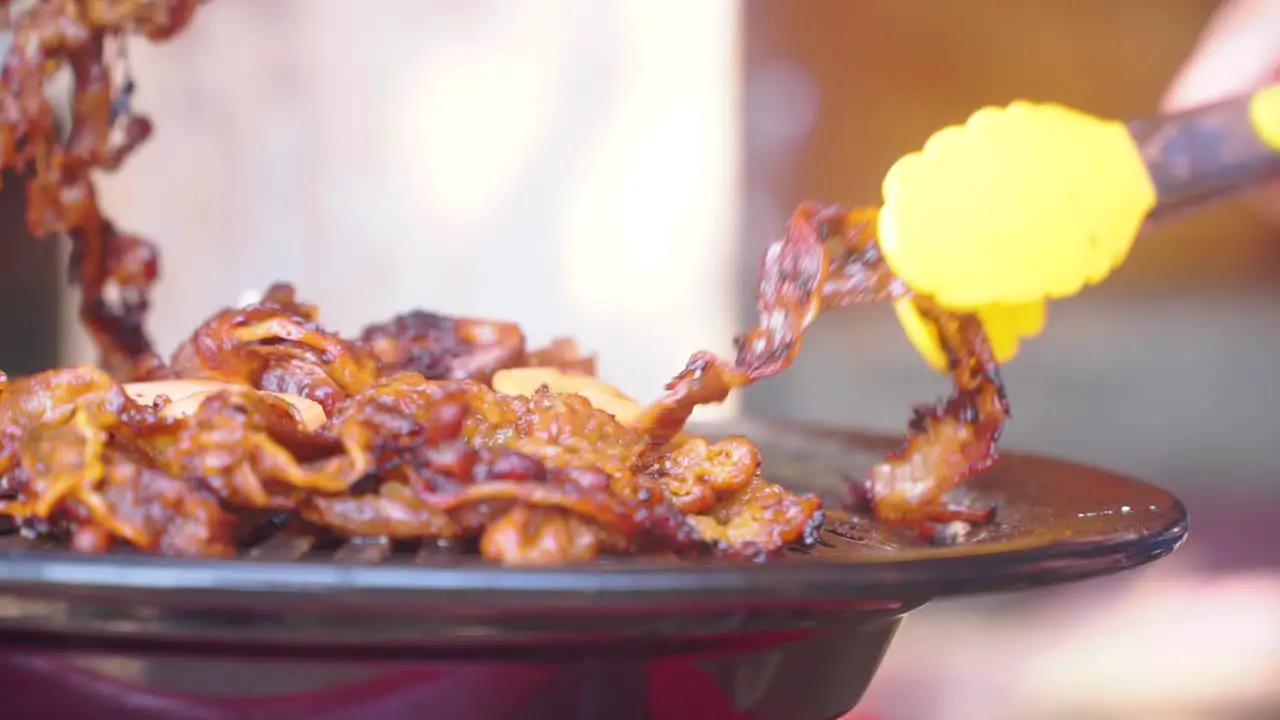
1034,201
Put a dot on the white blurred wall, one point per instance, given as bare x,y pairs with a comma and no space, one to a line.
569,164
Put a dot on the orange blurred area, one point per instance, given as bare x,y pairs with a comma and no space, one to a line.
886,75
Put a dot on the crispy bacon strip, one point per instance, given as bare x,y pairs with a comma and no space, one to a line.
114,269
829,258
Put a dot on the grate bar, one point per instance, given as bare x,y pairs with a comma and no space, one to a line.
364,551
288,544
434,552
14,541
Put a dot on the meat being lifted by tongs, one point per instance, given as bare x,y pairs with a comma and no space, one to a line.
829,258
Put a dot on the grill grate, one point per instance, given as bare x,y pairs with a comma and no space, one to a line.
802,465
297,543
842,537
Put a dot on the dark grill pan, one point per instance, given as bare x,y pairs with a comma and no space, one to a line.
308,626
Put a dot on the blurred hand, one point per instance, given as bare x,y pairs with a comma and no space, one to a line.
1238,52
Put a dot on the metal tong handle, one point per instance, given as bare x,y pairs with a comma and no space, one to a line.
1210,153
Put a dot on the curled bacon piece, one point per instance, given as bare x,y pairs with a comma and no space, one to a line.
276,345
67,434
720,487
449,348
443,347
87,399
829,258
245,445
114,270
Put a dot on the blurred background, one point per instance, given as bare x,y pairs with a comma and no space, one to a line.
614,168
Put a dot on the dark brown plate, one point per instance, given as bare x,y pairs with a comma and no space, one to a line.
1057,522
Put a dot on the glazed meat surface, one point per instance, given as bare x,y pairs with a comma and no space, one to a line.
425,427
280,415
